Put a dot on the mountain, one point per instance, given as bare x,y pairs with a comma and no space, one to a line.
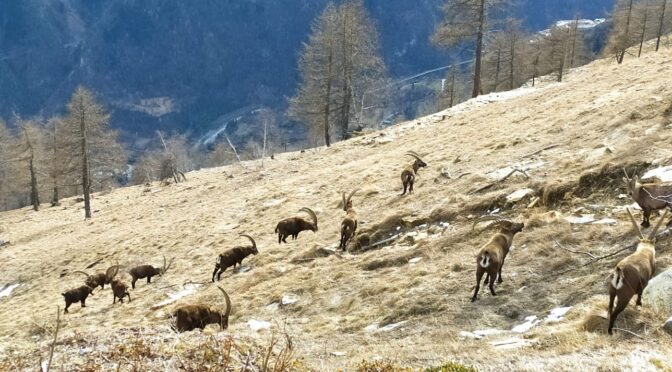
406,301
181,65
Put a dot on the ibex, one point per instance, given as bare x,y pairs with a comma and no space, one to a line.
649,196
190,317
148,271
119,290
100,279
77,295
410,171
233,257
490,258
633,273
294,225
349,224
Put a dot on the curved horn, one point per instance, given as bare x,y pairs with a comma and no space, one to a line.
81,272
626,173
345,205
652,236
112,271
413,154
311,213
634,223
254,245
351,194
228,302
487,218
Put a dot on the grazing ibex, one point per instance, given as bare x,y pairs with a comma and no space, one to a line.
649,196
119,290
77,295
491,257
100,279
190,317
233,257
294,225
633,273
349,224
148,271
410,171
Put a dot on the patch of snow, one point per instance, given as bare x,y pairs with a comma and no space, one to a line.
289,299
8,289
257,325
523,166
244,269
465,334
392,327
530,322
273,202
557,314
371,328
273,307
188,290
338,353
605,221
415,260
511,343
518,195
663,173
580,220
489,332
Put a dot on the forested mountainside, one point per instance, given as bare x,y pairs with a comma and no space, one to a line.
181,65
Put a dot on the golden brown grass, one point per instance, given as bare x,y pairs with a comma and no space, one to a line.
344,299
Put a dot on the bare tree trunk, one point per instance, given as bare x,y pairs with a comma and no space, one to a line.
621,53
263,152
575,30
497,69
55,168
34,193
479,50
534,69
327,103
512,61
452,88
86,182
641,40
660,25
345,108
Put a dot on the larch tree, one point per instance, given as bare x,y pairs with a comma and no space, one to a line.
31,141
467,21
661,22
622,35
338,63
98,153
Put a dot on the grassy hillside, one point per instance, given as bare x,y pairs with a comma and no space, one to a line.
571,139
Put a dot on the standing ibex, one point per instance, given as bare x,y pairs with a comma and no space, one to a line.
491,257
148,271
349,224
190,317
100,279
649,196
119,290
410,171
78,294
233,257
633,273
294,225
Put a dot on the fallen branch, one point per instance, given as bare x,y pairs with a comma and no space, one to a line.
542,150
94,263
483,188
629,332
234,151
571,251
53,344
382,242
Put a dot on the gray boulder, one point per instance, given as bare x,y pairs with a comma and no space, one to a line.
658,294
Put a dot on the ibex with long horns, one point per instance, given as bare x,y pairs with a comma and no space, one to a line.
349,224
649,196
233,257
100,279
410,172
633,273
294,225
190,317
148,271
490,258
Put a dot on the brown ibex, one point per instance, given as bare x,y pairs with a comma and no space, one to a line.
349,224
649,196
119,290
633,273
490,258
100,279
148,271
77,295
190,317
294,225
410,172
233,257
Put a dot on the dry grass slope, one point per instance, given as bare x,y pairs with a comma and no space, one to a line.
602,118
